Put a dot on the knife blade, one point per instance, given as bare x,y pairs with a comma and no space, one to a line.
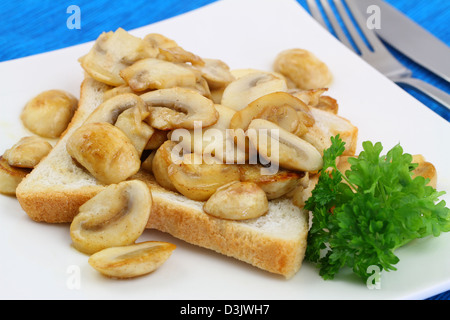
409,38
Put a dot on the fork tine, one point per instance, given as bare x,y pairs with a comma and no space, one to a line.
315,12
380,57
370,36
351,28
317,15
335,24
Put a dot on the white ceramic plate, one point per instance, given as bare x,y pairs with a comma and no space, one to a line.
37,259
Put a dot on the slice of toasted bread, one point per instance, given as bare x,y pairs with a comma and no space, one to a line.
57,187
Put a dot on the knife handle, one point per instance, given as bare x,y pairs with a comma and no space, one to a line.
440,96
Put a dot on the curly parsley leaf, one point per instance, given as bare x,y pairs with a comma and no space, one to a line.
362,216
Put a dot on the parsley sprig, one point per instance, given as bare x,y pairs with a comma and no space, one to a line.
362,216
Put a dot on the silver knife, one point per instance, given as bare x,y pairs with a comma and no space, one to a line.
409,38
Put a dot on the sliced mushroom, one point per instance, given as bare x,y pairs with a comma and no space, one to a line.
49,113
328,103
156,140
163,158
169,50
237,201
133,260
239,73
315,98
156,41
197,177
216,72
216,140
282,147
425,169
110,109
179,108
115,91
303,69
112,52
131,122
153,73
202,87
116,216
127,111
275,185
309,97
303,191
105,151
27,152
178,55
10,177
282,108
240,92
216,95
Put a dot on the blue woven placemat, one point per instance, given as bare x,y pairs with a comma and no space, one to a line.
29,27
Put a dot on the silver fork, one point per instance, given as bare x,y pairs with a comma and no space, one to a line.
379,57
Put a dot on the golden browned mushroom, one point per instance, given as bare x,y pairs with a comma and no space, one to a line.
215,140
240,92
105,151
156,140
303,69
275,185
179,108
10,177
303,191
179,55
116,216
425,169
153,73
133,260
110,109
216,72
112,52
197,177
131,122
49,113
282,147
237,201
157,40
282,108
161,160
27,152
315,98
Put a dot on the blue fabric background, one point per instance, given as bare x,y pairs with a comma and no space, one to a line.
30,26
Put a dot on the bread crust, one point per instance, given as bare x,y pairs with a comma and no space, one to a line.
55,206
228,238
233,240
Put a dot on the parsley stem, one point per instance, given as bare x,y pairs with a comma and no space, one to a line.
352,186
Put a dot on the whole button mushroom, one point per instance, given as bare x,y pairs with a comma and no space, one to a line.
237,201
27,152
49,113
303,69
105,151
